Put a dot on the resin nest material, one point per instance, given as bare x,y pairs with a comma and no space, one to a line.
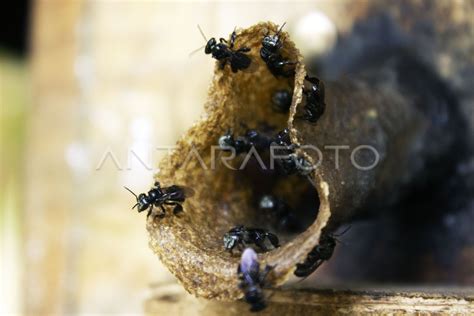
359,112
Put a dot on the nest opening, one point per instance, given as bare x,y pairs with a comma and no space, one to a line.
285,205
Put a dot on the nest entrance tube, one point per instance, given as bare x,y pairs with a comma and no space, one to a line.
191,245
374,111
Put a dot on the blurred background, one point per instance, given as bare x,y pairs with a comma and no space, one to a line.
94,92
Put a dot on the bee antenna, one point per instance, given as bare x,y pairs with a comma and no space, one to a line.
343,232
132,193
134,206
200,48
281,28
196,50
202,33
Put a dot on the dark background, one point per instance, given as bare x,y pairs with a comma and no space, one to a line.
14,26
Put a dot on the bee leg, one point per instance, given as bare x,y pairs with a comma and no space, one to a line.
260,242
163,212
222,63
273,240
150,211
267,270
232,39
264,273
242,245
234,67
243,50
178,208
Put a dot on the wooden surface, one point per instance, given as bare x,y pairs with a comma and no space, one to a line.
173,300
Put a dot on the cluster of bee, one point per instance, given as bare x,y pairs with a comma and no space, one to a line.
287,161
251,276
270,52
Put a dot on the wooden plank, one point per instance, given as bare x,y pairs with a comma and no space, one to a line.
49,183
171,299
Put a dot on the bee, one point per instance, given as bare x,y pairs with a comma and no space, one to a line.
288,161
283,139
160,196
241,236
281,101
314,106
243,144
252,280
270,53
281,212
318,255
224,52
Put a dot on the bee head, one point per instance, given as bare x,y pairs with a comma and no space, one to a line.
230,241
210,45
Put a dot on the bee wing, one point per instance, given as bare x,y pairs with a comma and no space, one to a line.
175,189
196,50
188,192
273,240
243,62
312,80
242,59
178,192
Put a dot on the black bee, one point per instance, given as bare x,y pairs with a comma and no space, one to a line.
322,252
288,161
315,105
240,236
243,144
281,101
173,195
283,139
252,280
270,53
295,164
224,52
281,212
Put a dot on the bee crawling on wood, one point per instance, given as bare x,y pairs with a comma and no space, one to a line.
252,280
160,197
241,237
